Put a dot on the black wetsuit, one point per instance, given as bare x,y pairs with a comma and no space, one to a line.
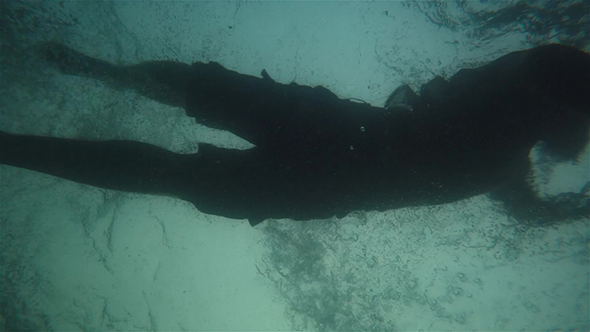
318,156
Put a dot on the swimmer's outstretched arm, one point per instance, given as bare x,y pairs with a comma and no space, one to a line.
162,81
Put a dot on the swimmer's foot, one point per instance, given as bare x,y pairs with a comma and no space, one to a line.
71,62
163,81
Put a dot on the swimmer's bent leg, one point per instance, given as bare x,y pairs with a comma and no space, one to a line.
162,81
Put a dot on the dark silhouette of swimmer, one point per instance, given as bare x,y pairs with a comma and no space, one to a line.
318,156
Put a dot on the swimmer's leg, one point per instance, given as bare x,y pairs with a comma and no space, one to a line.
162,81
224,182
119,165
